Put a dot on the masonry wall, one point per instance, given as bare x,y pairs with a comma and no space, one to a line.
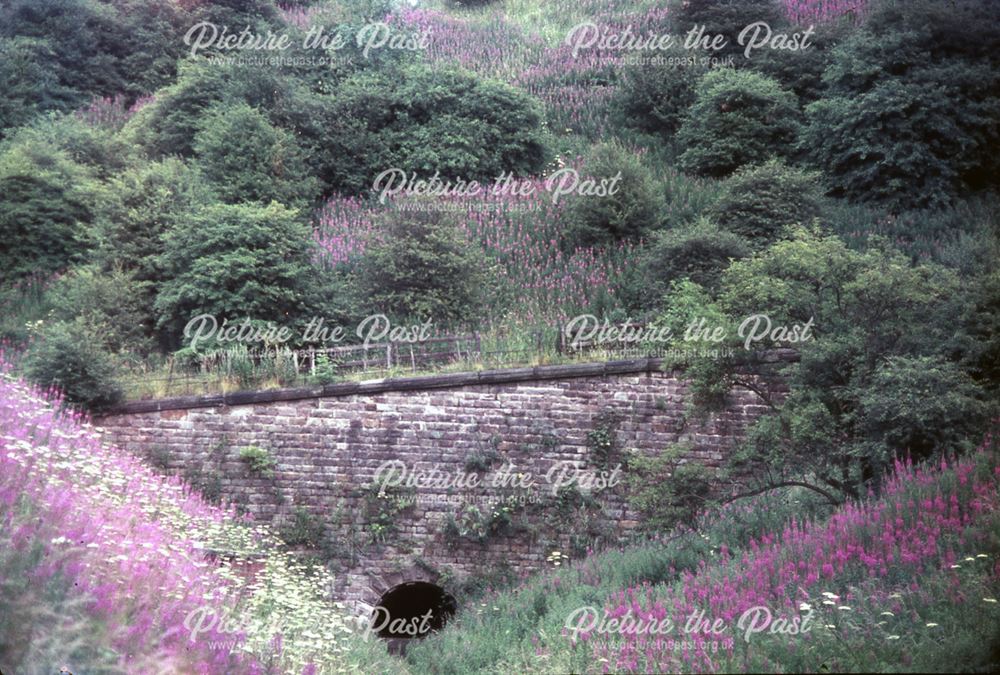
329,442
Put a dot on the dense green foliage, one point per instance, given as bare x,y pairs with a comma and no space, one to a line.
78,49
727,18
881,374
911,113
428,121
629,208
234,261
47,206
421,268
250,160
738,117
68,356
699,251
757,202
655,98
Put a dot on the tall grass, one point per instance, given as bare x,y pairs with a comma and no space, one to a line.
907,581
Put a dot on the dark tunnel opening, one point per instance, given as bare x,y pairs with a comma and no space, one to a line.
411,611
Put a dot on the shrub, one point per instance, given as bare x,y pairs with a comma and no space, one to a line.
421,266
631,208
46,207
921,403
700,251
258,460
759,201
655,98
29,87
725,17
169,125
112,306
305,529
233,261
426,121
738,118
910,116
247,159
667,490
878,374
97,148
69,357
801,72
143,204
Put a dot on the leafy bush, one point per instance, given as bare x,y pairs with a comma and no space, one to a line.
420,266
801,72
759,201
631,208
169,125
655,98
29,87
69,357
112,306
425,121
97,148
667,490
259,460
911,114
476,524
143,204
878,375
233,261
738,118
247,159
98,48
47,203
700,252
921,404
304,530
726,18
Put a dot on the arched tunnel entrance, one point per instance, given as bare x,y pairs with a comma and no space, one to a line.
409,611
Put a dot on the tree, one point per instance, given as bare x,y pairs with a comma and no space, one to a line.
758,202
112,308
68,357
47,203
629,209
234,262
739,117
656,98
96,148
725,17
801,72
875,379
143,204
700,251
96,48
29,87
420,265
911,114
169,125
425,121
247,159
236,14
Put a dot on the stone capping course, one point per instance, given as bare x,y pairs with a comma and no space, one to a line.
418,383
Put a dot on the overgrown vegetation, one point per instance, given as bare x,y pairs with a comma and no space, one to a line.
838,200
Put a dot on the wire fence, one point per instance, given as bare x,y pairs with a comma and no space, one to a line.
242,368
